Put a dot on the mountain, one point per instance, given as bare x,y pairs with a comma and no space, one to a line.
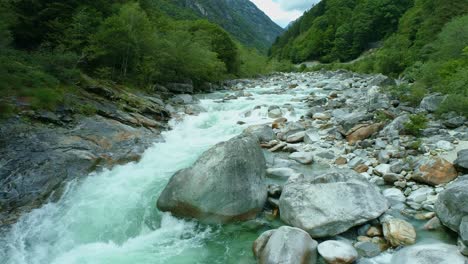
241,18
339,29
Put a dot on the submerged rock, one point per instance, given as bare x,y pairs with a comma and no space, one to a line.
285,245
226,184
330,203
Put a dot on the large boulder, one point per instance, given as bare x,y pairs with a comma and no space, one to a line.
394,128
429,254
285,245
263,133
331,203
434,171
451,205
183,88
432,102
226,184
461,163
362,131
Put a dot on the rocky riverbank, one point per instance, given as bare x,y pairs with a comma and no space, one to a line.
377,187
324,171
102,126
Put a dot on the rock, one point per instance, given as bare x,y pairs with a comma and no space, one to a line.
433,224
394,128
341,161
462,247
281,172
263,133
383,156
461,163
183,88
455,122
420,195
444,145
321,116
432,102
183,98
434,171
464,230
382,169
226,184
399,232
361,132
296,137
331,203
285,245
392,177
337,252
311,136
437,253
451,205
367,249
356,161
274,112
302,157
361,168
382,80
394,194
279,123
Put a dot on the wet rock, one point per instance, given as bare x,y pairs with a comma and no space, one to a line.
451,205
398,232
281,172
461,163
302,157
226,184
263,133
286,245
337,252
330,203
367,249
274,112
434,171
430,253
433,224
432,102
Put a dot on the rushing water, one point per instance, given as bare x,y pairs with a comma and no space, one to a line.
111,217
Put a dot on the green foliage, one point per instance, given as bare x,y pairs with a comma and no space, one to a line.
416,124
339,29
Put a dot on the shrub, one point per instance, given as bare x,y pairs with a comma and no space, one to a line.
415,125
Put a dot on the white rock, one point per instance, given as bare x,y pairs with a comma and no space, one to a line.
302,157
382,169
394,194
337,252
281,172
420,195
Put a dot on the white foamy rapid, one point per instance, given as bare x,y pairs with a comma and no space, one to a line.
111,217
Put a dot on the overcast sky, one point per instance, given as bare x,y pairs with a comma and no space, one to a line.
284,11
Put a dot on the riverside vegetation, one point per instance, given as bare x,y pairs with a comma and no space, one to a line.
127,134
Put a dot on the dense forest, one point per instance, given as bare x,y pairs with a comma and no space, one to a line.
46,47
422,41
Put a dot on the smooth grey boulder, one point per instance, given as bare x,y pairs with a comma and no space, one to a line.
334,251
226,184
331,203
285,245
429,254
263,133
461,163
451,205
393,129
432,102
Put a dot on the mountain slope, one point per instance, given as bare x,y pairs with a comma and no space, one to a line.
241,18
339,29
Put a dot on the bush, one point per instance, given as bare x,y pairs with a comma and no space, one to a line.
415,125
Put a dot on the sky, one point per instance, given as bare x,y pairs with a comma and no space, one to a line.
284,11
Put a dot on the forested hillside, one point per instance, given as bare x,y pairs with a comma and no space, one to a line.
241,18
47,46
339,29
423,41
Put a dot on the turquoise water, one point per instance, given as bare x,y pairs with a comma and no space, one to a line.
111,217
